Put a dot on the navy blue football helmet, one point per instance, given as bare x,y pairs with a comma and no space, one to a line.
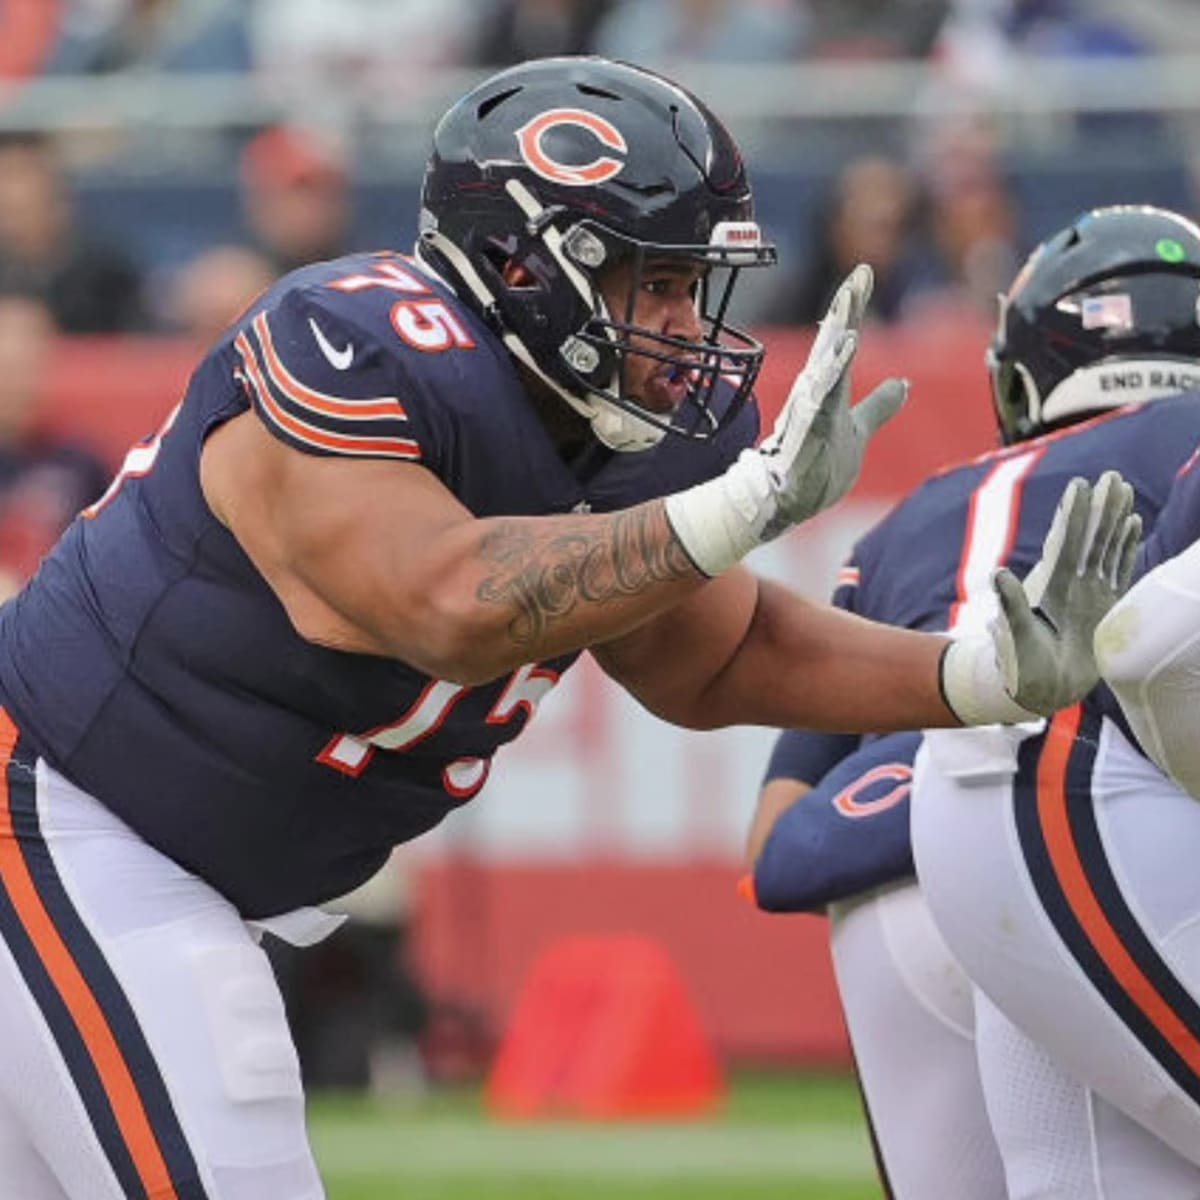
1104,313
564,167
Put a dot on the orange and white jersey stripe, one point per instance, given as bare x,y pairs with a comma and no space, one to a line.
288,382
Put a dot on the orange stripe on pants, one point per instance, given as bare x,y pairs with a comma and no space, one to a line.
114,1073
1072,878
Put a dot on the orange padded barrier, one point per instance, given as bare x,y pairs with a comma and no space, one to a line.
762,985
604,1028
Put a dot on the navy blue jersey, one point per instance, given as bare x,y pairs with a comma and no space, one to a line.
151,664
920,567
1178,525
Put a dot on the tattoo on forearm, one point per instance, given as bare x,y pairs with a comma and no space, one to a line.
544,578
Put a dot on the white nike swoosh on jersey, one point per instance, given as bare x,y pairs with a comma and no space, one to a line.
340,360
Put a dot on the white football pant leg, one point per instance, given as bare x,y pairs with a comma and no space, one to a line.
1061,1141
909,1013
975,874
203,1003
24,1174
1148,650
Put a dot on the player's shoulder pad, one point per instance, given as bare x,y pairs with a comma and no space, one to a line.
338,361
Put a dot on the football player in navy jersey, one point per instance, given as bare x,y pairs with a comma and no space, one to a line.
1058,863
1073,394
398,500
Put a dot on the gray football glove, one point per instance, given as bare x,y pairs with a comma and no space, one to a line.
810,458
1037,656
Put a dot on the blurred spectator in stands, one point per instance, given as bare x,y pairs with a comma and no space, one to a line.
356,1009
44,481
1170,26
101,36
655,33
215,288
90,286
384,47
974,223
28,33
987,47
984,42
516,30
842,29
296,196
870,216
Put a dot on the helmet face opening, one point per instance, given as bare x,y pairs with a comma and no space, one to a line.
569,168
600,354
1104,313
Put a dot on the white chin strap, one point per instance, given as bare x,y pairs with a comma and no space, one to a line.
617,428
1113,384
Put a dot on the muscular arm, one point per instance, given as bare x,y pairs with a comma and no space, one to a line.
378,557
775,798
747,651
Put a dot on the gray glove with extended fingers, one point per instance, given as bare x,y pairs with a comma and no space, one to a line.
809,460
1037,655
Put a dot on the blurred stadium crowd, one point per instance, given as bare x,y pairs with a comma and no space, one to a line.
163,159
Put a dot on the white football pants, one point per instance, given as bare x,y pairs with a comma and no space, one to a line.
910,1016
144,1051
1067,885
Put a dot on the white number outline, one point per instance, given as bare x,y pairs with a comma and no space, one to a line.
351,753
429,325
139,460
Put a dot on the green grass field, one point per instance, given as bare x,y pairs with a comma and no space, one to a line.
798,1137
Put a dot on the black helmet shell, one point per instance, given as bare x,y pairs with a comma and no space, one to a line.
563,166
1120,285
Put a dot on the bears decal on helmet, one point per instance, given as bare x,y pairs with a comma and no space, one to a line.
531,135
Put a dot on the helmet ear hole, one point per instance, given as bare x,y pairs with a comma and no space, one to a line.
1014,397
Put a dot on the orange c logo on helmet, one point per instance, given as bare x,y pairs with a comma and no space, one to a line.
602,167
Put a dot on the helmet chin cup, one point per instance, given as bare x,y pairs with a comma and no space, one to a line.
619,429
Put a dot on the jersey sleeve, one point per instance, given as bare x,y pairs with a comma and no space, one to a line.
321,383
806,754
846,836
847,585
1178,524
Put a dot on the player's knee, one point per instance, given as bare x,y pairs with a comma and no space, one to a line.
1152,628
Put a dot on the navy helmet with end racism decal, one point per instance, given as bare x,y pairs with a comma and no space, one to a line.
1103,313
564,167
